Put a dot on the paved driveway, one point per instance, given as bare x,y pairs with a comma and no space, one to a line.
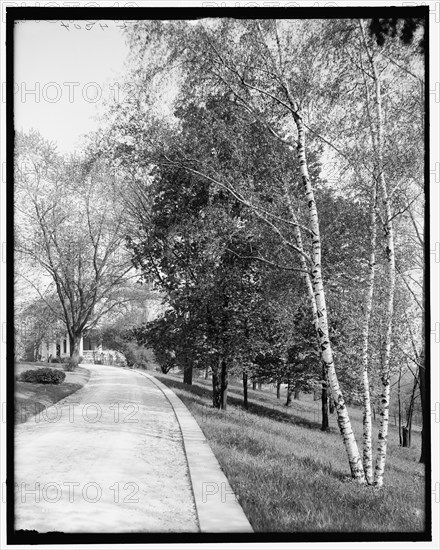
108,458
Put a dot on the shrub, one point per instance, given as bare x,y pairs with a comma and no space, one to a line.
45,375
81,359
70,365
56,360
136,355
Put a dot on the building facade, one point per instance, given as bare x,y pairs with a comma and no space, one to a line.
90,350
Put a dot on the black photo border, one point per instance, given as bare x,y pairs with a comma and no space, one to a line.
138,13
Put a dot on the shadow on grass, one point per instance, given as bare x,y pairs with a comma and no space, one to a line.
253,408
201,395
318,466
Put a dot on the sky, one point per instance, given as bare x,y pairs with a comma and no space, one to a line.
62,76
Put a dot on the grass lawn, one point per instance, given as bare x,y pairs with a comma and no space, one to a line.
290,476
31,399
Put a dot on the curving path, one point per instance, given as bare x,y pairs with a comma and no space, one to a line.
108,458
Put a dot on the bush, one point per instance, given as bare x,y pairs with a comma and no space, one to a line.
81,359
70,365
136,355
45,375
56,360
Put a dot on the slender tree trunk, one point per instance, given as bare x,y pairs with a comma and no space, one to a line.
296,394
187,372
245,389
315,290
206,372
254,384
367,454
324,403
399,401
216,393
344,423
224,384
377,135
289,393
408,427
422,383
391,275
405,441
331,403
422,365
278,388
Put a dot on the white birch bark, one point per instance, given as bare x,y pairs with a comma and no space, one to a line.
344,423
391,275
378,142
303,261
367,454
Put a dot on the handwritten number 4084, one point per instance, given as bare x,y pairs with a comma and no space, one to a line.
88,26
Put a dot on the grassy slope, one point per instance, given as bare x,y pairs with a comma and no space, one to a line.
31,399
290,476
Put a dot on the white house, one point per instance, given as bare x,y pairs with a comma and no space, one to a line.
90,349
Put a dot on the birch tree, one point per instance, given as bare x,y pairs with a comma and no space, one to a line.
310,100
256,75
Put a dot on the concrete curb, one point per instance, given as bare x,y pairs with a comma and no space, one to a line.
217,507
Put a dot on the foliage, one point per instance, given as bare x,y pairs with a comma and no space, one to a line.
45,375
219,219
137,356
380,28
36,322
69,226
70,364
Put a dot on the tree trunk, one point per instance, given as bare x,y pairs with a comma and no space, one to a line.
289,394
399,401
224,384
367,451
278,388
75,341
422,365
331,403
216,394
245,389
254,384
391,274
424,403
384,409
206,372
324,404
188,373
410,411
296,394
405,437
344,423
36,351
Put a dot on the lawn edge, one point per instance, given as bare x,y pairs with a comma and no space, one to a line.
217,507
32,416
